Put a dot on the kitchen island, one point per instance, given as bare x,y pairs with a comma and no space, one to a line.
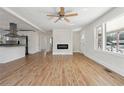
11,52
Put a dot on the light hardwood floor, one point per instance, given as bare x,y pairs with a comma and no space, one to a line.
39,69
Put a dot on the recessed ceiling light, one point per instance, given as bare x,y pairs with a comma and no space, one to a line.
77,29
71,24
85,9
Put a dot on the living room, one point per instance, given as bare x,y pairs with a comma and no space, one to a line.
62,45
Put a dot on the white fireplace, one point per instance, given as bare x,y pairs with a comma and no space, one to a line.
62,42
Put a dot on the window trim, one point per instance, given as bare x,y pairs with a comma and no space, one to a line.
103,25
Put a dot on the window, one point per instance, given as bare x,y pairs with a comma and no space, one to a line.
111,41
110,36
115,41
121,42
0,38
115,35
99,32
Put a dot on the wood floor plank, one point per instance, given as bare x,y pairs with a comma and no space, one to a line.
59,70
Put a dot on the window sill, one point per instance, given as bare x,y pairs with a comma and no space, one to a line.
111,53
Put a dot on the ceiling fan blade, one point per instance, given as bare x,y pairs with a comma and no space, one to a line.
52,15
57,19
67,20
50,18
69,15
62,11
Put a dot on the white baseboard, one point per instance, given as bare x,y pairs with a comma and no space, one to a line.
55,53
113,68
76,51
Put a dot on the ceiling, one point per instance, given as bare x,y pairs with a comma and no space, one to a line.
6,18
35,17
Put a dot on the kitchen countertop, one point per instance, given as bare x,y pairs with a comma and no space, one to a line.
10,45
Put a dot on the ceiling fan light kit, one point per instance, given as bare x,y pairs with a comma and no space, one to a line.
62,15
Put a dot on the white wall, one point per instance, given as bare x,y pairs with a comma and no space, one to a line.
45,42
115,24
83,47
33,40
62,36
112,61
76,41
38,41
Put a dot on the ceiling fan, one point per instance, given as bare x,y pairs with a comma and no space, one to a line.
62,15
